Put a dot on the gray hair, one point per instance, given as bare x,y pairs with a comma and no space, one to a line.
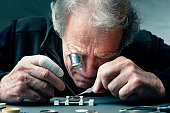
106,14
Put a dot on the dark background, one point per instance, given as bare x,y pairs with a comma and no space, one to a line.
154,14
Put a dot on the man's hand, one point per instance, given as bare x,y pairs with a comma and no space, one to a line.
27,80
122,78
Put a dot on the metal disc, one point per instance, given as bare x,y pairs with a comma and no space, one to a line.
49,111
81,110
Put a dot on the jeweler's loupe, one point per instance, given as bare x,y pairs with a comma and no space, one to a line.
75,60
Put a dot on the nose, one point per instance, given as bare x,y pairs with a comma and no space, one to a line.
89,68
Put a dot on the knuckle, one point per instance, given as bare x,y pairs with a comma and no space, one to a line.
137,82
129,66
123,96
121,57
129,62
132,71
20,89
25,58
20,67
111,88
19,99
20,78
45,73
45,85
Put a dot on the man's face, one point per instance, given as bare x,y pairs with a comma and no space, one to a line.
95,47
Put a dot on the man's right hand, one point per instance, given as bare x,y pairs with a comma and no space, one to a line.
27,80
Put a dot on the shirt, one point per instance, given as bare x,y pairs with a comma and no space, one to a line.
35,35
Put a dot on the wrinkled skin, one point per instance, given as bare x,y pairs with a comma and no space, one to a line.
27,80
122,77
102,66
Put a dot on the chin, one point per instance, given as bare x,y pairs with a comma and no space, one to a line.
81,81
83,85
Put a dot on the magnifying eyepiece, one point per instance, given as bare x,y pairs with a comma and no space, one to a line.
75,60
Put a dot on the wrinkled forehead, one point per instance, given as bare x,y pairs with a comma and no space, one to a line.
87,38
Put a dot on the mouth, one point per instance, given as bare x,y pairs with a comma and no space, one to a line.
83,81
82,78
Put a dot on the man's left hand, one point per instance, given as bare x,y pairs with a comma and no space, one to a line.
122,77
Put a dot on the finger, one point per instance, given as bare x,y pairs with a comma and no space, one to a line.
97,87
126,91
46,75
40,85
33,96
46,62
117,83
107,72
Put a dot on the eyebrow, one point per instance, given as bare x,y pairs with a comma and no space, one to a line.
75,49
109,55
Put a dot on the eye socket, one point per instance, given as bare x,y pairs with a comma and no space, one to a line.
75,60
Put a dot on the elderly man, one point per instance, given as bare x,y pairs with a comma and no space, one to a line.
116,56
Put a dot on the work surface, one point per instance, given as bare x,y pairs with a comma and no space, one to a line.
106,104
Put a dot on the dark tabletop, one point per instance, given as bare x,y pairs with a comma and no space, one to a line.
107,104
